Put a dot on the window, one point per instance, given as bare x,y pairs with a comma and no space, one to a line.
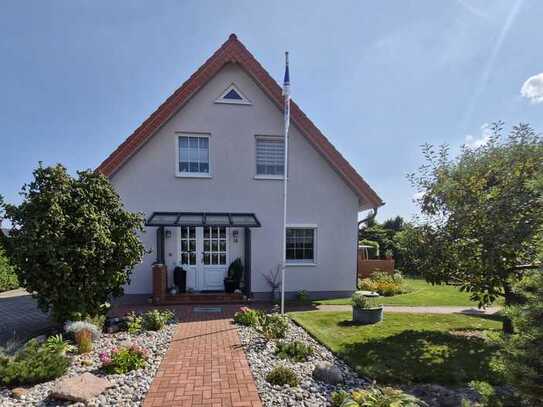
188,245
233,96
301,245
214,245
270,157
193,156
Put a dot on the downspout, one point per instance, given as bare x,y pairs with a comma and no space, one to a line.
372,215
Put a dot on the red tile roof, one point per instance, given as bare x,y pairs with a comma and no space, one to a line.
233,51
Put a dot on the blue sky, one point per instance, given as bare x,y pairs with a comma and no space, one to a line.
378,78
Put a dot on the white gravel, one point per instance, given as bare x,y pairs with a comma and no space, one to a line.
127,390
311,393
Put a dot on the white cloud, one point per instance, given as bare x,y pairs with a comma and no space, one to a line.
533,88
480,140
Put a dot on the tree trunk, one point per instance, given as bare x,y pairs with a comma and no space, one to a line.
509,297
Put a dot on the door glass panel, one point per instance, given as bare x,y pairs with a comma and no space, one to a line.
215,245
188,245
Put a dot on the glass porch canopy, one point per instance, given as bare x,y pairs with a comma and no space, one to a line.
228,219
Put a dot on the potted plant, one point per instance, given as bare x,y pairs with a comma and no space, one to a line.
233,279
365,310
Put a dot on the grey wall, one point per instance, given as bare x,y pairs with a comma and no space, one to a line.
317,194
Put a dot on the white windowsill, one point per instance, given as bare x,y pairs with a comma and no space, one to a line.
272,177
192,175
301,264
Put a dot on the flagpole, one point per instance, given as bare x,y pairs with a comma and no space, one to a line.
286,123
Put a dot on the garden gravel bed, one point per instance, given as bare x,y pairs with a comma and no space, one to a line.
127,389
311,393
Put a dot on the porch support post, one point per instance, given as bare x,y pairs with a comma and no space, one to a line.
247,261
160,245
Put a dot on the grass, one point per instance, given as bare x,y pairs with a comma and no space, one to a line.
421,294
409,348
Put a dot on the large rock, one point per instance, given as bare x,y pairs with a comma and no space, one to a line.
328,373
80,388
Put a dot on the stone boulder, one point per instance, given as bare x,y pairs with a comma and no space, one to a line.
328,373
80,388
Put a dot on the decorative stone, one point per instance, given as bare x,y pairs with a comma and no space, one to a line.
18,392
328,373
80,388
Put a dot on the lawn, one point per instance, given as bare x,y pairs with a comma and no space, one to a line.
421,294
409,348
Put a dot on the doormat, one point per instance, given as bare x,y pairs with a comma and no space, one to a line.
207,310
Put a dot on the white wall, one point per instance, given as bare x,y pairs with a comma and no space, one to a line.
317,194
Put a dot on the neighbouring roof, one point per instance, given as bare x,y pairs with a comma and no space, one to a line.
233,51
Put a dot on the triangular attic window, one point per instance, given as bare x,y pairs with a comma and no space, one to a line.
233,95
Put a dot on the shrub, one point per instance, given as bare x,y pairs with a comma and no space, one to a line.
384,283
521,352
375,397
273,326
73,243
34,363
248,317
123,360
359,300
296,350
84,333
134,322
281,375
98,320
155,320
303,296
8,277
56,343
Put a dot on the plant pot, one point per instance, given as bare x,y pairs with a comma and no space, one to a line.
230,285
367,316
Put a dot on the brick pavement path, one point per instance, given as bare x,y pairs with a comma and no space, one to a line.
205,364
20,318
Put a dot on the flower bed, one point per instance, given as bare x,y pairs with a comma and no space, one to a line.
261,355
127,389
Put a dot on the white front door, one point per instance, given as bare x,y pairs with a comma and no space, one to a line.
204,254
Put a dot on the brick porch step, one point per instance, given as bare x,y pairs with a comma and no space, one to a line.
204,298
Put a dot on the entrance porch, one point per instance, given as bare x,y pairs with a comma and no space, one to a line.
206,244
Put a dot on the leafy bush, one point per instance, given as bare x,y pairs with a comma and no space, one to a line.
295,350
73,243
375,397
98,320
56,343
124,359
134,322
360,300
8,277
384,283
155,320
281,375
248,317
521,352
302,296
34,363
273,326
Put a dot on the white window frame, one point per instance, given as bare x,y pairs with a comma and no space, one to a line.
181,174
267,176
303,263
244,99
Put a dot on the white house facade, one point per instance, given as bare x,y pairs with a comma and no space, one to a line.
206,170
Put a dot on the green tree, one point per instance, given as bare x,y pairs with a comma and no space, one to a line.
521,352
72,241
482,213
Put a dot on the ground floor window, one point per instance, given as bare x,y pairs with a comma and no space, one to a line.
301,244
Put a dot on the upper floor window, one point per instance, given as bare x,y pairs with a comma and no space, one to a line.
270,157
193,155
232,95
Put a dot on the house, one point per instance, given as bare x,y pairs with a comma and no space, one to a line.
206,169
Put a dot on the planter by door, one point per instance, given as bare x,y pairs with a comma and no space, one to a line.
367,315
